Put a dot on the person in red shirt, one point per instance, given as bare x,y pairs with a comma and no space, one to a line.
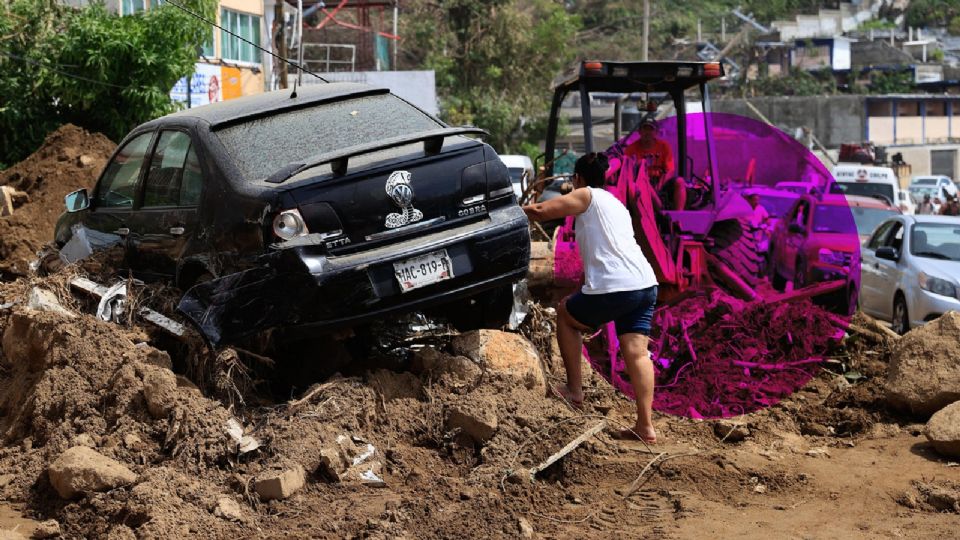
658,157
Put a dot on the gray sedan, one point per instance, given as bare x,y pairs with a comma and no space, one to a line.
911,270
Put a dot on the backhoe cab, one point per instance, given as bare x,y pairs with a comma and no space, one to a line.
679,242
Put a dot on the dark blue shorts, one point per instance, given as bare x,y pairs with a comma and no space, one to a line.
632,311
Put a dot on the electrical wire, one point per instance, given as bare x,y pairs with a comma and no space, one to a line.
222,29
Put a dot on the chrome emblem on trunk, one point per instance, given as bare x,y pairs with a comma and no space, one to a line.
400,191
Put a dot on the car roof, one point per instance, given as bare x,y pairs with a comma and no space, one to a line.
247,107
869,202
925,218
771,192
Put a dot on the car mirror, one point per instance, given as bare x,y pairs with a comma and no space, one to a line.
798,229
77,200
887,252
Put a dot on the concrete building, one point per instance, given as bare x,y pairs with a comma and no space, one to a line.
227,67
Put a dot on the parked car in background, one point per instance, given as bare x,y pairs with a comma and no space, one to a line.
906,202
521,172
324,210
800,188
911,270
869,213
816,241
935,181
935,193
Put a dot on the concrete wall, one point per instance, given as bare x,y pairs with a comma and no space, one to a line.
834,120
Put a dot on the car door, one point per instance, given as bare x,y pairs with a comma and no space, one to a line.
167,216
112,206
870,282
888,272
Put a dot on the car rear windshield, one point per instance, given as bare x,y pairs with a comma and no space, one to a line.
829,218
867,189
260,147
936,241
868,219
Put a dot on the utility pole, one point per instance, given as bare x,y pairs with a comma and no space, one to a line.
646,30
281,41
723,29
396,17
699,31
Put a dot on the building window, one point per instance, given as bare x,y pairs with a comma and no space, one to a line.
207,48
129,7
246,26
132,6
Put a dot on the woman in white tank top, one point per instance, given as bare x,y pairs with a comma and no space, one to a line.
619,285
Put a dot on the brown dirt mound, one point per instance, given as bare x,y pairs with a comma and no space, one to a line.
69,159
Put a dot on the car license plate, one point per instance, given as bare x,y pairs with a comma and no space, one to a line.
423,270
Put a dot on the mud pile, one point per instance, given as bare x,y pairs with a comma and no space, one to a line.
466,419
69,159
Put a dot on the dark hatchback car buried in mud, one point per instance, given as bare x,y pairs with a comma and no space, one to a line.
310,211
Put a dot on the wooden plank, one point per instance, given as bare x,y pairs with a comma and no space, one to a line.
570,447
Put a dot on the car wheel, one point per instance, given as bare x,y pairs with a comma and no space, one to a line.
901,318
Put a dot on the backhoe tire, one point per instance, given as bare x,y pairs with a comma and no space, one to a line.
737,246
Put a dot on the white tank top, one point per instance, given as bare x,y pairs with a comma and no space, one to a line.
612,260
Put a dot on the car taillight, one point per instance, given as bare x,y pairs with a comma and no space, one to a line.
289,224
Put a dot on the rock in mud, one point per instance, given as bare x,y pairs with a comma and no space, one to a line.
924,374
943,430
477,420
503,353
44,300
279,484
82,470
526,530
228,509
47,529
730,431
160,391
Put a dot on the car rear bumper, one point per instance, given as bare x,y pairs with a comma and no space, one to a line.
925,306
305,288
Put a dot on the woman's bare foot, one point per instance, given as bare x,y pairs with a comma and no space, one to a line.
574,399
639,433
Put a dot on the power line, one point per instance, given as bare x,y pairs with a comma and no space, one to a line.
64,73
222,29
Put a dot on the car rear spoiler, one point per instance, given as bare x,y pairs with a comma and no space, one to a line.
339,159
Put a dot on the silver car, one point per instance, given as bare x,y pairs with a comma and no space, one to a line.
911,270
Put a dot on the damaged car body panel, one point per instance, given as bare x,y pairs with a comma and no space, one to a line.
325,210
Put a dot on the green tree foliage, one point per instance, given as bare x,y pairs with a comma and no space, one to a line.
923,13
494,61
89,67
797,83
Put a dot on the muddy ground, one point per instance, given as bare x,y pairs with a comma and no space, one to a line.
454,428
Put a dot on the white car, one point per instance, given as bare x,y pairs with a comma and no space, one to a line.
519,167
911,270
800,188
934,182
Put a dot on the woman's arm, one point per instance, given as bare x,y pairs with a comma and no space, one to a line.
574,203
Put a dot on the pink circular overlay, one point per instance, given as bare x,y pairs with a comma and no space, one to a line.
768,296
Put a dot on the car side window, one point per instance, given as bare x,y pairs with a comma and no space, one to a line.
192,180
118,186
880,234
895,238
173,169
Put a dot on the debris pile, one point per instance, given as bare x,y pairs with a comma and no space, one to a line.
69,159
